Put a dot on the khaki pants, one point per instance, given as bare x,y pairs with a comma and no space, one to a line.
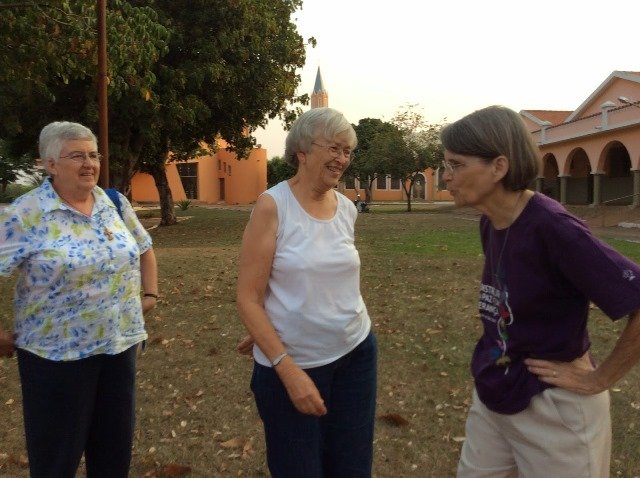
560,435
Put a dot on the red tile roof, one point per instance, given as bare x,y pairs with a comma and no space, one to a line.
553,117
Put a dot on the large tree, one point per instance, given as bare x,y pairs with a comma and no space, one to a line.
279,170
48,63
182,73
231,66
422,148
368,163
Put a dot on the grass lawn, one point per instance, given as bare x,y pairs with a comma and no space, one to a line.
419,279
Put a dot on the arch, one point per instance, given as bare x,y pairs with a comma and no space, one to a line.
580,180
617,181
550,176
419,188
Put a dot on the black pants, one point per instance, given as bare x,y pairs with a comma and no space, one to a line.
78,406
337,445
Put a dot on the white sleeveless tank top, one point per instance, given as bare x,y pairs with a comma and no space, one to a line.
313,295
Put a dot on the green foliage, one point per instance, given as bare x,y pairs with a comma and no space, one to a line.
278,170
368,160
11,165
13,191
230,67
180,73
423,147
422,140
48,64
184,204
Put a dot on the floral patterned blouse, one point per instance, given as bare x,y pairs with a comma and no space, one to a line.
78,286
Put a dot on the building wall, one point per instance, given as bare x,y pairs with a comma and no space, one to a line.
220,174
581,152
431,193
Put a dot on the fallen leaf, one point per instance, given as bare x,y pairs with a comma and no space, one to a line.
232,443
173,469
395,419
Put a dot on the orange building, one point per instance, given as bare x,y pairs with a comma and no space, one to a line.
592,155
215,178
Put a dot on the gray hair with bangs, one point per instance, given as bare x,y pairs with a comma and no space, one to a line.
54,135
317,123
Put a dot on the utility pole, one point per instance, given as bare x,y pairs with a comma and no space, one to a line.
103,110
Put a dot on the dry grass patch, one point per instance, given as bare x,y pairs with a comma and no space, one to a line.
419,279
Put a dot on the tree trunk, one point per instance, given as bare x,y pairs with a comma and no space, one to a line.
368,191
408,193
128,163
167,210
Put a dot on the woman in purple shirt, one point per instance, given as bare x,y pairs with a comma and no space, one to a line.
540,405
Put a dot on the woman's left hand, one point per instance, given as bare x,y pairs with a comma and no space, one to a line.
148,303
578,376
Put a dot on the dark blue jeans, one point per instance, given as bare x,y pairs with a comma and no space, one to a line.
78,406
337,445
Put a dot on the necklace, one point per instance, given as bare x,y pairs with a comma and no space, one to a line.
498,279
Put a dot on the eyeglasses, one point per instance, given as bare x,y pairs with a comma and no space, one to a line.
450,167
335,151
80,157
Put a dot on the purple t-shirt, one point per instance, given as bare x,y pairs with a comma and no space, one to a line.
538,278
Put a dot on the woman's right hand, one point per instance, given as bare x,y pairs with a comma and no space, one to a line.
245,346
302,391
7,344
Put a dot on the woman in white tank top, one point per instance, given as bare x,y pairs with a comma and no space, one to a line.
314,376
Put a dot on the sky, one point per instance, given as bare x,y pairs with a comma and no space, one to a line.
451,57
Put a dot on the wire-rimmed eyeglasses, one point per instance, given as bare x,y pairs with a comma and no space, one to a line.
335,151
450,167
80,157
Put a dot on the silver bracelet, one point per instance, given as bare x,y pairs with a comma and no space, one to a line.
278,359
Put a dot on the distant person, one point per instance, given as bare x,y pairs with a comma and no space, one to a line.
314,376
78,310
361,205
541,402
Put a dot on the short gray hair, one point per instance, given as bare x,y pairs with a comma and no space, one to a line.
496,131
324,123
54,135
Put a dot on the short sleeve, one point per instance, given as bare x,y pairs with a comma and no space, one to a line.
603,275
14,245
137,230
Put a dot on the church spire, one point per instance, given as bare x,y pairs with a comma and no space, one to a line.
319,97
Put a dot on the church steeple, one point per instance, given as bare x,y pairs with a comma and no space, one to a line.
319,97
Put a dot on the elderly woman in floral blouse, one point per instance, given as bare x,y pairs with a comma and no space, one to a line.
78,311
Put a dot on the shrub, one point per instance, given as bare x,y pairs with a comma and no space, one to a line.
13,191
184,204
